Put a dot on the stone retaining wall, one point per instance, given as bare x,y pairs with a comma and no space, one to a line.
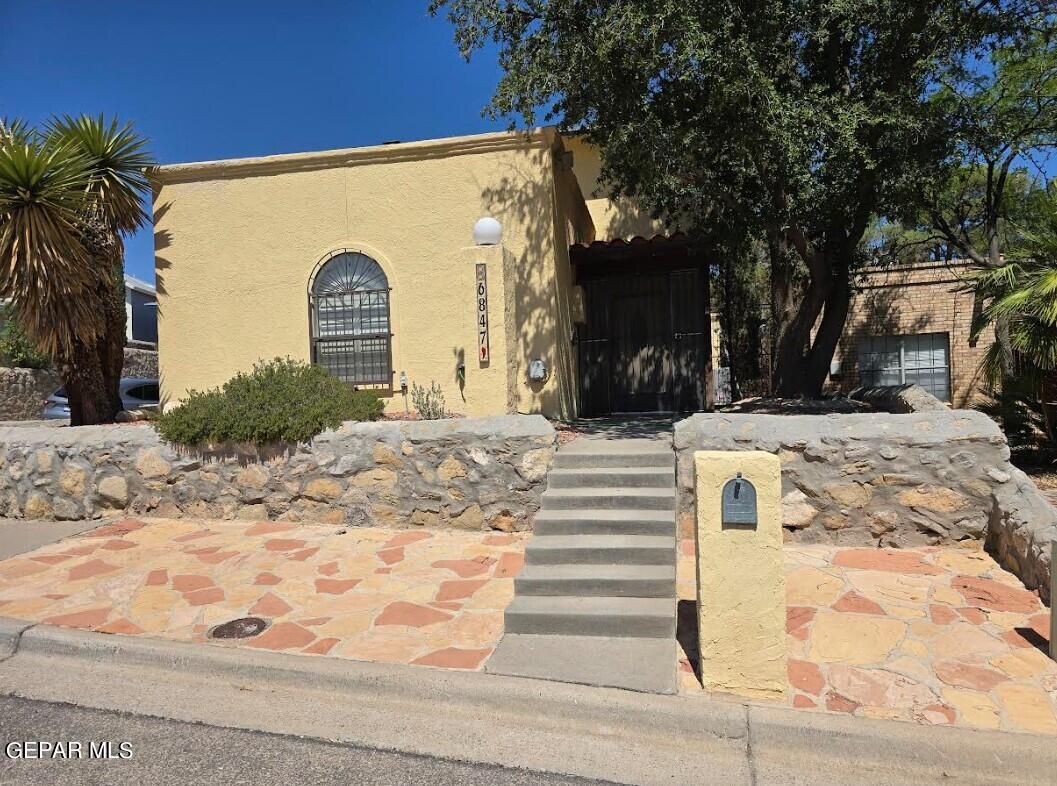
889,480
471,473
141,363
23,390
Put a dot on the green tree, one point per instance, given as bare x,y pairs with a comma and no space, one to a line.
797,120
1022,291
69,192
1003,117
1003,121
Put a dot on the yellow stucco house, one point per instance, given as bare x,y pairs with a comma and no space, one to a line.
374,263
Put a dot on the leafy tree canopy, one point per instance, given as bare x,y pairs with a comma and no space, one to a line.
798,121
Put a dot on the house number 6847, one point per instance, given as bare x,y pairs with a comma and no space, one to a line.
482,313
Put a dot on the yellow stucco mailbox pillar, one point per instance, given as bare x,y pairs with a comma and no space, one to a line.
740,579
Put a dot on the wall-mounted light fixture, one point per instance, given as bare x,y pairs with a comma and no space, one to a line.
487,232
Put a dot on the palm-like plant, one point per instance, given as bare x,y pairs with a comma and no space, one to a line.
68,193
1023,291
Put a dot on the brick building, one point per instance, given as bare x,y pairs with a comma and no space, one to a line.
912,324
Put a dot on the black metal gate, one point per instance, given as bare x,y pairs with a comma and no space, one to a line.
643,345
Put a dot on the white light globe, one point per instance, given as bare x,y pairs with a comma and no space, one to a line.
487,232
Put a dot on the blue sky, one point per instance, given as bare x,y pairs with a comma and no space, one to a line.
229,78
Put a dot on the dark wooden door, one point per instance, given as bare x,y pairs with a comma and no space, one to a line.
642,347
641,333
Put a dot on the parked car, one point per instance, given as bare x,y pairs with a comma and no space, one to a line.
136,393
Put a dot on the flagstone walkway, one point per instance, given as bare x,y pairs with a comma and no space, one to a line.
433,598
939,636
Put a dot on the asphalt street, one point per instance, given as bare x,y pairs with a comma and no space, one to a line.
165,752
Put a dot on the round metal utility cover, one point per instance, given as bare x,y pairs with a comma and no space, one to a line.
242,628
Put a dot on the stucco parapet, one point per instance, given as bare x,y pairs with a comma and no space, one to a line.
375,154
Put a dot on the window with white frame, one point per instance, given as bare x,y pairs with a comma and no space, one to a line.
922,359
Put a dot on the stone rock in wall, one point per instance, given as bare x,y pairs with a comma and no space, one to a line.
536,463
151,464
142,363
797,512
898,399
1021,531
23,390
113,489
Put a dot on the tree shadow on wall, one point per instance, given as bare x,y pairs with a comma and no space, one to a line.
162,241
524,198
876,311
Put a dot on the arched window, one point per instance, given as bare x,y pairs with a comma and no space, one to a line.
351,333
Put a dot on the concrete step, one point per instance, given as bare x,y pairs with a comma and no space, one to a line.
612,477
600,550
604,522
625,581
608,499
615,457
629,663
592,616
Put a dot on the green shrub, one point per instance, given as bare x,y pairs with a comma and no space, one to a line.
282,400
429,403
16,350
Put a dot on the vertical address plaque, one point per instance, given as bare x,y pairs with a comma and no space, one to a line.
482,313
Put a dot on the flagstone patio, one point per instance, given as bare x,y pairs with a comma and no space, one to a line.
433,598
940,636
932,635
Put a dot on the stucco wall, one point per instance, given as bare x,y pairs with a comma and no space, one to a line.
236,244
612,219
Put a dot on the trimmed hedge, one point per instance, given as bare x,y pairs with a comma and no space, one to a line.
281,400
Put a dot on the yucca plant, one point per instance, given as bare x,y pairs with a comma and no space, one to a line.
1023,292
69,192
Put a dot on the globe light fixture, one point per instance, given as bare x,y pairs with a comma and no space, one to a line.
487,232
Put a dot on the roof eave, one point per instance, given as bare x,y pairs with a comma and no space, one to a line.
375,154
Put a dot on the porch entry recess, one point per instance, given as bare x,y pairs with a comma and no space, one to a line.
645,343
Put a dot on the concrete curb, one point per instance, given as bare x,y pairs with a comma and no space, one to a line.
11,631
819,746
391,682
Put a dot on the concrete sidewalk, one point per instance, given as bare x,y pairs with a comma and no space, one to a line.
470,716
18,536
